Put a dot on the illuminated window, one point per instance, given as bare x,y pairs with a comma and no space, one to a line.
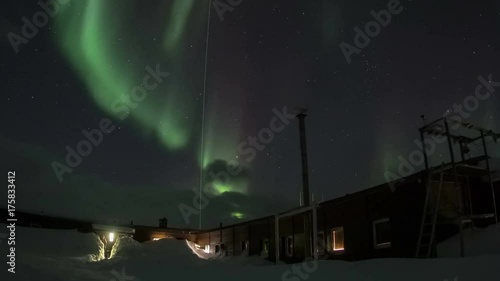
338,239
382,233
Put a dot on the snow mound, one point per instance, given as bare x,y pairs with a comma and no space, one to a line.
241,260
199,252
126,246
165,249
477,242
57,243
171,251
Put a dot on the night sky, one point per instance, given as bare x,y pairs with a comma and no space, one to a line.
265,54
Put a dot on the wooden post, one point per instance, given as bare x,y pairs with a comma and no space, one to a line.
249,238
325,246
422,138
315,232
462,152
276,239
462,247
454,167
490,179
220,230
293,238
426,160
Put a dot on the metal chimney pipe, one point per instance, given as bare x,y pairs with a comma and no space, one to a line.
303,152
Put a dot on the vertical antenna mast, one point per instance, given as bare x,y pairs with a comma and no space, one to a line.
202,159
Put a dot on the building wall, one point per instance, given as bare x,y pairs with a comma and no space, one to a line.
252,235
482,197
148,233
240,235
352,216
355,213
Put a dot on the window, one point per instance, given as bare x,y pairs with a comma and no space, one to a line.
338,239
264,248
289,246
244,245
382,233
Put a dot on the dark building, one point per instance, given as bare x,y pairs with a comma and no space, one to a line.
383,221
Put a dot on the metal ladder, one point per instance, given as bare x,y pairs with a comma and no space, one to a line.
427,233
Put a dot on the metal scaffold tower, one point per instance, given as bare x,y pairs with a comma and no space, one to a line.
463,135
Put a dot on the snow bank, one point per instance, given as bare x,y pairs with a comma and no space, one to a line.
477,242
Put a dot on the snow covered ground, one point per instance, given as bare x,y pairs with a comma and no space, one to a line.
477,242
43,255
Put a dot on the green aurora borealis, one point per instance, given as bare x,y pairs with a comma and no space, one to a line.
110,60
110,71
